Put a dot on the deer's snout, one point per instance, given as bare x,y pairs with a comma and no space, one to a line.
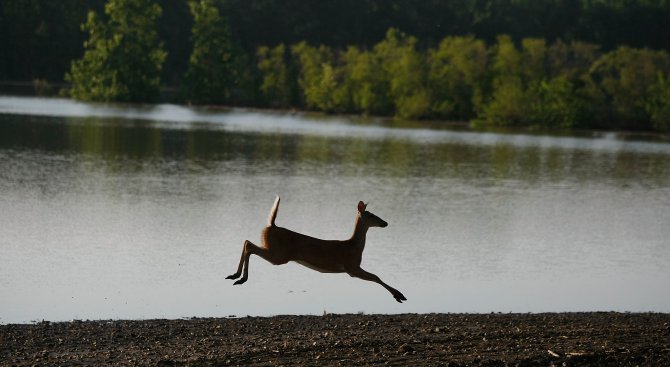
383,224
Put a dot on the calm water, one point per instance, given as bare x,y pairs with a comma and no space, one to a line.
112,211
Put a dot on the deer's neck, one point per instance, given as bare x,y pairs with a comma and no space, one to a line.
358,237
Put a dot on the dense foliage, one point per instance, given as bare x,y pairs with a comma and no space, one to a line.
123,56
559,85
210,69
548,63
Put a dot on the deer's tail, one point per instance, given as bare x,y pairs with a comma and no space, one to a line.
273,213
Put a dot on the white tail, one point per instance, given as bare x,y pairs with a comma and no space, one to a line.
273,213
280,245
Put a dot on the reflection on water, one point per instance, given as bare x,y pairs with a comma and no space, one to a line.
115,211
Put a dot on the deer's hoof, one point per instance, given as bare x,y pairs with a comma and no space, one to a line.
399,297
241,281
234,276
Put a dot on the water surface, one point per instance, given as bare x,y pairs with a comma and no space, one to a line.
121,211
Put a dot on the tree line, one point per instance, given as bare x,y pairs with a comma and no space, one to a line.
558,85
549,63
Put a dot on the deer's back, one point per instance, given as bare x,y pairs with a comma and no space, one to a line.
322,255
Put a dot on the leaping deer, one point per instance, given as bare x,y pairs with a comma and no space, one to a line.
280,245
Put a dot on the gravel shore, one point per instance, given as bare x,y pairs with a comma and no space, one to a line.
570,339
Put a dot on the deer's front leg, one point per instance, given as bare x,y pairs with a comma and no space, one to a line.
362,274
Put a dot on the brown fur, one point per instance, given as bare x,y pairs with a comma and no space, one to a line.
280,245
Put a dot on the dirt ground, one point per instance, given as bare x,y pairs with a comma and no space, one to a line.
558,339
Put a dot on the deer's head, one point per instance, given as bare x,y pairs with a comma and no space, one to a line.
369,219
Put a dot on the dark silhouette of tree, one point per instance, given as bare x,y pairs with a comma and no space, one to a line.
210,74
123,56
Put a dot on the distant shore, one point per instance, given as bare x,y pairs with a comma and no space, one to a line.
570,339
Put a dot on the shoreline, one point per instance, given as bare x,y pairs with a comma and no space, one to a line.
389,121
543,339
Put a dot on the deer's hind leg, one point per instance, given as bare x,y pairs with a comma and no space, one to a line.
241,265
247,250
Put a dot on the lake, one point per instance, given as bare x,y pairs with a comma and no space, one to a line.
113,211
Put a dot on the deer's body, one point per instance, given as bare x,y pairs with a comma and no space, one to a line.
280,245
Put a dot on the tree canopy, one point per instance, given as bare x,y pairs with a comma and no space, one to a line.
210,73
123,56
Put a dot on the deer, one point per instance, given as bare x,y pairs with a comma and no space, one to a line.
280,245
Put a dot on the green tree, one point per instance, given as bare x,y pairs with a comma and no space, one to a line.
366,83
210,73
571,60
507,101
405,69
556,104
276,78
341,97
623,79
123,56
658,103
457,76
540,86
317,76
545,99
533,59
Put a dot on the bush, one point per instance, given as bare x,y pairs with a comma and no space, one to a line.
123,57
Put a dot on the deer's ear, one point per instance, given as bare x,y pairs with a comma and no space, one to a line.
361,207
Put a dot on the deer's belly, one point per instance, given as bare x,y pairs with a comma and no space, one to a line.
334,269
